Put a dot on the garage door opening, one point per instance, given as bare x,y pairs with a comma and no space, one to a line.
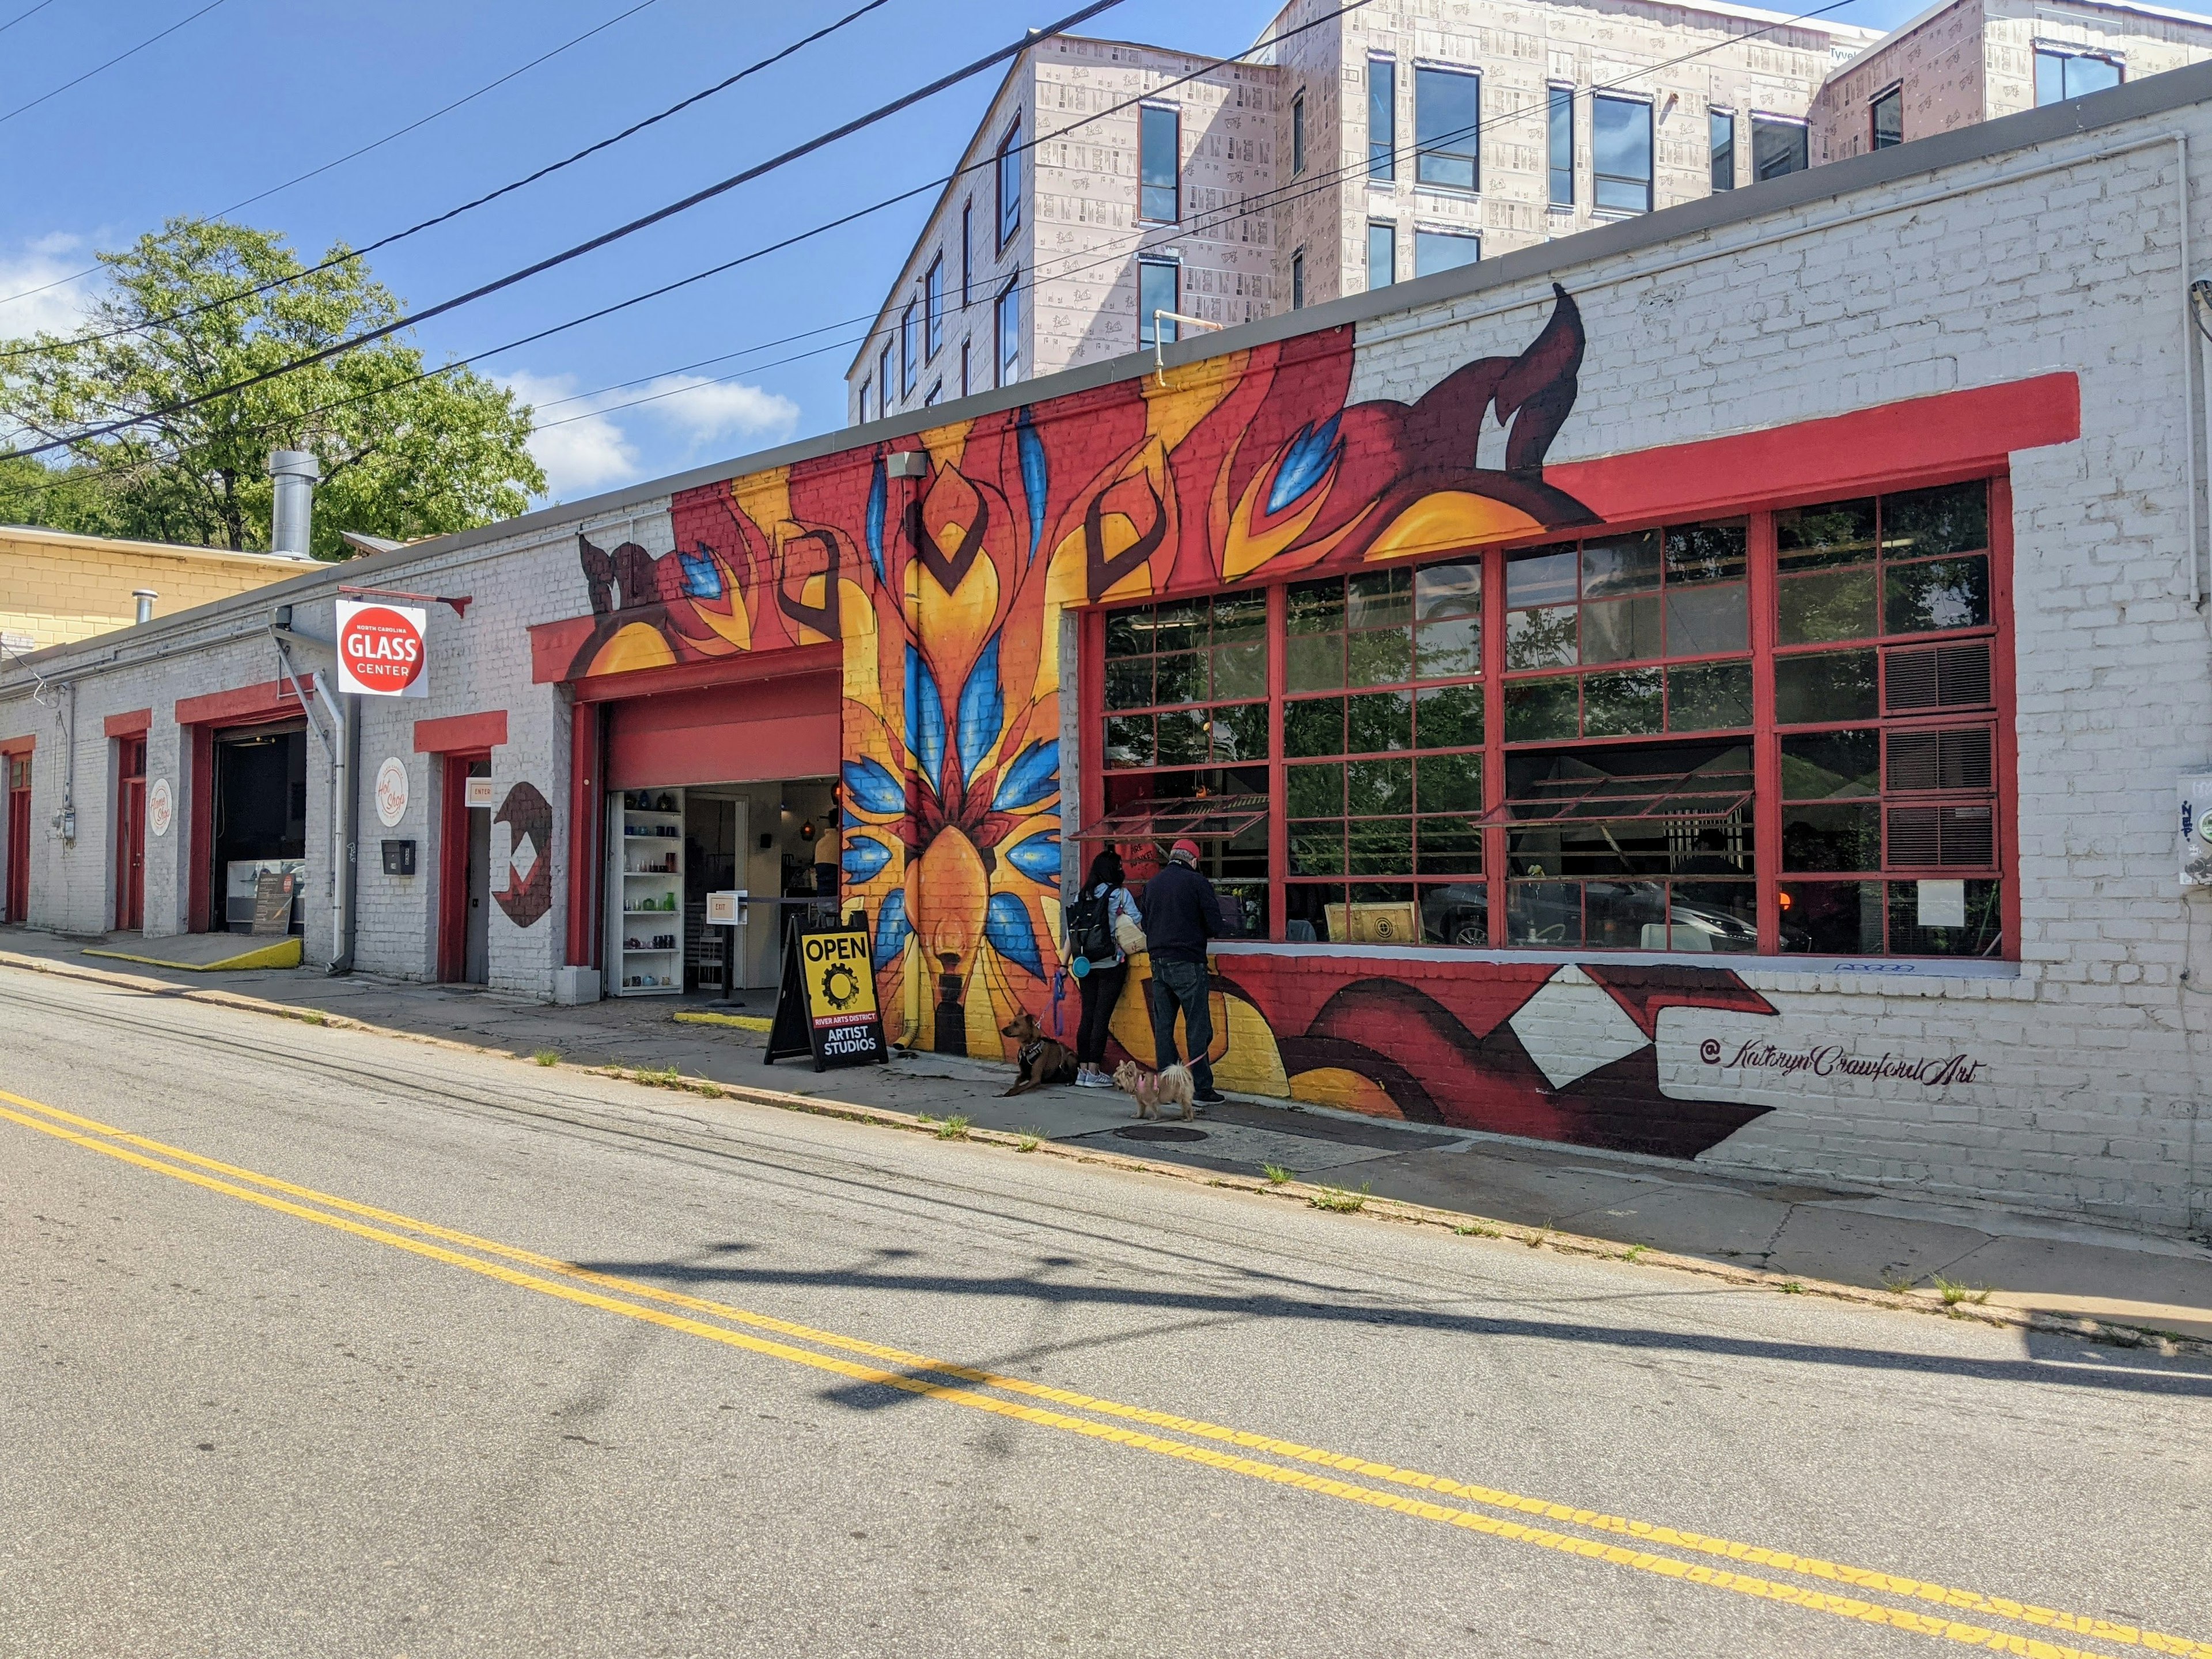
259,784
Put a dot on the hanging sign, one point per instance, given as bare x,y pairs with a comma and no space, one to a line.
391,792
161,806
826,1004
381,649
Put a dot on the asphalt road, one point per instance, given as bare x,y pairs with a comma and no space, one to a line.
318,1342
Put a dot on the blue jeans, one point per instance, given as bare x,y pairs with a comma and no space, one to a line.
1182,984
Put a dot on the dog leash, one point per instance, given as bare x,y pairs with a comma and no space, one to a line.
1058,990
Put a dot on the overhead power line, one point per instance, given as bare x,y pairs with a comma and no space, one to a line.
21,15
232,298
375,144
57,91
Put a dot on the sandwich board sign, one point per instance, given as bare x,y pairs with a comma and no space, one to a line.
825,1004
381,649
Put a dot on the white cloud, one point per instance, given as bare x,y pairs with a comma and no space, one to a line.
597,441
58,307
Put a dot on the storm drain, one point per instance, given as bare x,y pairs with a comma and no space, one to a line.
1160,1132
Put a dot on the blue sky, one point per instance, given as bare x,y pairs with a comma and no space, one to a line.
254,93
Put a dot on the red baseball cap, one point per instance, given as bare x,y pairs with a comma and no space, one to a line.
1186,845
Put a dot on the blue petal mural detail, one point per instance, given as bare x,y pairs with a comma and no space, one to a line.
702,580
983,709
878,500
1034,775
865,859
870,785
891,929
1037,858
1310,455
1006,925
925,719
1036,475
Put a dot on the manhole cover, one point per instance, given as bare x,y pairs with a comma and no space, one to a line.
1160,1132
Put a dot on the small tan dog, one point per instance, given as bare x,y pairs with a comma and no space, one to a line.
1041,1059
1153,1090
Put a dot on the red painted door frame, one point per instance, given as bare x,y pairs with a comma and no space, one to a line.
130,834
16,891
198,719
454,862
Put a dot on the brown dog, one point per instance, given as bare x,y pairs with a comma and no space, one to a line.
1041,1059
1153,1090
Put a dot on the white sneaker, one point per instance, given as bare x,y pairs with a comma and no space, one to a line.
1091,1077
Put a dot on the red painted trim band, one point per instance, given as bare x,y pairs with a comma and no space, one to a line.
130,725
249,705
16,748
456,731
740,670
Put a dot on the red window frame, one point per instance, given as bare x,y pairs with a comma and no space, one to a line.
1764,733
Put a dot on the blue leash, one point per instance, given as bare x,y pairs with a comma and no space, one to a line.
1058,990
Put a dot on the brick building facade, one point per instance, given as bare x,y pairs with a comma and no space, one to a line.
1715,688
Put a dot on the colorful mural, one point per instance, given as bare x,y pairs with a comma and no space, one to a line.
944,593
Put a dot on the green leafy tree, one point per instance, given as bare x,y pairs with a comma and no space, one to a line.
403,453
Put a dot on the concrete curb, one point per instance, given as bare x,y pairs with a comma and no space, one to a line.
1315,1195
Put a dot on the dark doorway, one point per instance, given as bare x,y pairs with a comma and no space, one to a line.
15,901
130,835
465,875
260,816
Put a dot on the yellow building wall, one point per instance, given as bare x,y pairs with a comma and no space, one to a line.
55,588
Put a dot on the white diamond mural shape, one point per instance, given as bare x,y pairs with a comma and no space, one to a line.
1572,1026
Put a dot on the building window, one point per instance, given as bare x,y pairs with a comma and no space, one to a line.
1592,774
967,253
1381,119
1006,322
1888,111
967,375
933,306
1720,127
1382,254
867,390
1159,164
1159,283
1778,147
1298,133
1298,280
1560,118
1620,154
2063,75
935,395
909,349
1448,128
883,377
1443,250
1010,183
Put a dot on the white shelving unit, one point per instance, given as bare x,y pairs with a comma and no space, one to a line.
646,908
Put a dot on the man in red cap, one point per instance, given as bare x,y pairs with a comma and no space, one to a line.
1181,914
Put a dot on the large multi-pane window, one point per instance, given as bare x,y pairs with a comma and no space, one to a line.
1448,128
1443,250
933,309
2063,75
1006,326
967,253
1009,172
1159,164
1620,154
1381,119
1779,732
1157,281
909,349
1382,254
1559,143
1720,134
1778,147
1298,280
883,377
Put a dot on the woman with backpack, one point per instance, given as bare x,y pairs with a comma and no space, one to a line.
1103,929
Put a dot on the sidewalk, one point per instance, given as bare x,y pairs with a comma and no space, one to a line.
2033,1263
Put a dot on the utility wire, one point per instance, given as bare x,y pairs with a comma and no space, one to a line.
375,144
1244,207
205,306
370,335
21,15
57,91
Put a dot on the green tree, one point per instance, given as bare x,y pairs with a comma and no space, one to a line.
403,454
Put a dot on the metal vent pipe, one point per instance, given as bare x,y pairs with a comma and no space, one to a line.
293,517
145,596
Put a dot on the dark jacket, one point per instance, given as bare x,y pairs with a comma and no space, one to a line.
1181,914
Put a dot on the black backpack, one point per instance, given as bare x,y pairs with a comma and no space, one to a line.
1091,928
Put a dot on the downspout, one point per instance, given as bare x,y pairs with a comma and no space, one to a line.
341,748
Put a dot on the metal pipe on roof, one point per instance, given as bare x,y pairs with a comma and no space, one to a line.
292,515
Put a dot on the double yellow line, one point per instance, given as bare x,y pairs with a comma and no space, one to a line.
1377,1485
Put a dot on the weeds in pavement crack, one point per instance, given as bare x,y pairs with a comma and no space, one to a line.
547,1056
1899,1284
1030,1141
1791,1287
1954,1292
1341,1199
953,1128
1277,1174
